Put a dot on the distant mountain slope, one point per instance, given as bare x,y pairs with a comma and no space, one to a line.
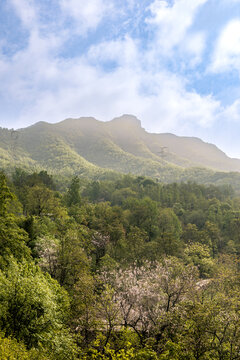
182,151
92,148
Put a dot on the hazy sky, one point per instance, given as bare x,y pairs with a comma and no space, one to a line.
174,64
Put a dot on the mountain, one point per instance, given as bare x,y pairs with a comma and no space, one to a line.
93,148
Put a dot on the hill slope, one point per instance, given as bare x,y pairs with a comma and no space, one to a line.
93,148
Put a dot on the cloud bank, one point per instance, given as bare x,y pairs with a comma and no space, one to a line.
104,58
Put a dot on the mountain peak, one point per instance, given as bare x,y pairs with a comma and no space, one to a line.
127,120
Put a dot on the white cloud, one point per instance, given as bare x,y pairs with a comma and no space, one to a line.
84,91
52,89
232,112
194,45
173,21
173,108
226,55
122,52
86,14
46,87
26,11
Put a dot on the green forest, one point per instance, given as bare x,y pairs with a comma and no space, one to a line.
122,269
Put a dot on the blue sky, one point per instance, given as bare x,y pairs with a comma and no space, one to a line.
175,64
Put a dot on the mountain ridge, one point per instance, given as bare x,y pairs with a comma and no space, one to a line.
91,147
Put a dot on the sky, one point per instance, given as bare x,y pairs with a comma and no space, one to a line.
175,64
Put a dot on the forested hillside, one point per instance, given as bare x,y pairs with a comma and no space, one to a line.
127,269
101,150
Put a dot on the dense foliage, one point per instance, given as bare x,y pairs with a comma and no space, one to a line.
122,269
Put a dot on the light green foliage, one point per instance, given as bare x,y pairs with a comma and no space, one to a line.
169,232
34,308
126,353
84,311
73,194
136,245
119,196
10,349
72,259
191,234
12,237
5,195
143,213
42,201
199,255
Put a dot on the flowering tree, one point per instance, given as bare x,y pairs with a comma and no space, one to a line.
148,296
